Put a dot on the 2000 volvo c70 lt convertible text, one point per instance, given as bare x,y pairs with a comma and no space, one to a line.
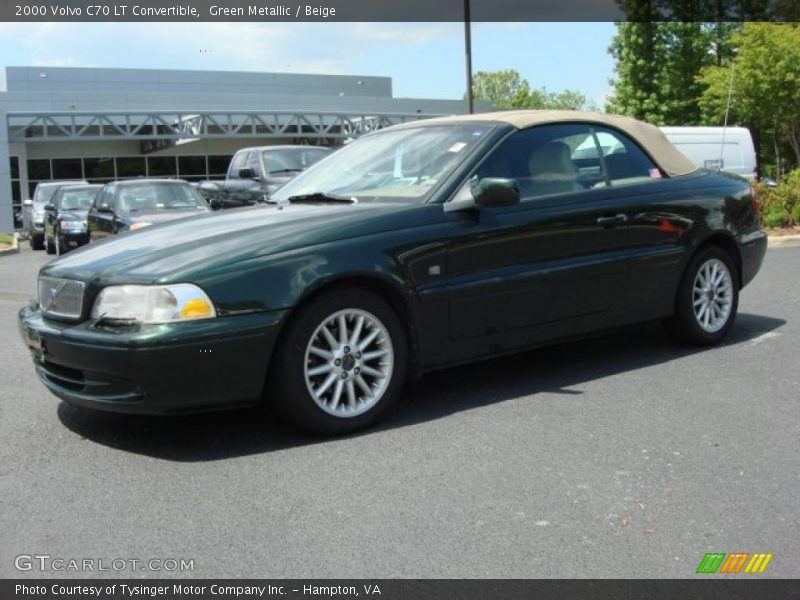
416,247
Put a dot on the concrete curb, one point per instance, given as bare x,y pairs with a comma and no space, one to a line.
14,247
777,241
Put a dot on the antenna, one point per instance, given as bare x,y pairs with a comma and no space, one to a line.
725,124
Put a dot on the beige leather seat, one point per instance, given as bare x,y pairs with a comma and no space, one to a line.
552,170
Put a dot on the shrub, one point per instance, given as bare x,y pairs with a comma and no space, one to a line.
779,204
796,214
776,216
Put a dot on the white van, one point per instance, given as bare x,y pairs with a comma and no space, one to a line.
728,148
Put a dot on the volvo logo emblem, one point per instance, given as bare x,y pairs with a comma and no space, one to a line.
52,295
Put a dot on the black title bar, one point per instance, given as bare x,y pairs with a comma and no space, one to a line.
403,589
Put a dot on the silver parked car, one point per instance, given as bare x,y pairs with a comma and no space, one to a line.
33,210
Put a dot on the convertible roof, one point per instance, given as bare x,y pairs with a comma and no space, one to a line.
650,137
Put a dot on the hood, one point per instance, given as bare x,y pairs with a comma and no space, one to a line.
162,216
174,252
73,215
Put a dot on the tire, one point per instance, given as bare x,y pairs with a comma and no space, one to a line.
690,323
58,246
340,375
49,246
37,241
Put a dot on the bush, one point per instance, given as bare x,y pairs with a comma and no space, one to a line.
795,213
775,217
780,204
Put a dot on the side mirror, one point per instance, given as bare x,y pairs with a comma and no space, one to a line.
247,173
495,191
105,208
49,208
28,202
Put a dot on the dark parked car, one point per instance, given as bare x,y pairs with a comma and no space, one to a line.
130,205
256,173
33,210
413,248
65,217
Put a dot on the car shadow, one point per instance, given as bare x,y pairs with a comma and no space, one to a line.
552,369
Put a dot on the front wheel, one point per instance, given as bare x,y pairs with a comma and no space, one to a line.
707,299
341,364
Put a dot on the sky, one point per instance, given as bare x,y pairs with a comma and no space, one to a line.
425,60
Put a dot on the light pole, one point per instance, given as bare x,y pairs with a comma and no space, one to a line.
468,53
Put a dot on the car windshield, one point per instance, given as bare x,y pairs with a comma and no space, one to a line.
77,199
158,196
400,163
288,160
44,193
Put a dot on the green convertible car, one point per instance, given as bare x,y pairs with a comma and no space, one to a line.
416,247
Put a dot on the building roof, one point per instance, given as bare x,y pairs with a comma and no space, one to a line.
650,137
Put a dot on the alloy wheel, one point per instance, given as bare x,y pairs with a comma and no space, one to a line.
349,362
712,295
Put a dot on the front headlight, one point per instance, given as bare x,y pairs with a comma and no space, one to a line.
73,225
153,304
139,225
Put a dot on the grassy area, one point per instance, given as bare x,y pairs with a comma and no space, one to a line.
6,238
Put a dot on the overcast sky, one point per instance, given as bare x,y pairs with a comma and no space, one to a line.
425,60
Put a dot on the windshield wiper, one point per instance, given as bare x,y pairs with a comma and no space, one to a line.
321,197
285,171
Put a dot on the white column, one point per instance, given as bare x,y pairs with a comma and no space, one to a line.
6,214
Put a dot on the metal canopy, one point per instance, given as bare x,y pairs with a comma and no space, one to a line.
141,125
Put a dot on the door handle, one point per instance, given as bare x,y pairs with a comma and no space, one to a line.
612,221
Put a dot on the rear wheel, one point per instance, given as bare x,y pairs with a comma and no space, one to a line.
37,241
707,299
341,364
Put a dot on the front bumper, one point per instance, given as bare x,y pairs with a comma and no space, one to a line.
154,369
752,248
74,239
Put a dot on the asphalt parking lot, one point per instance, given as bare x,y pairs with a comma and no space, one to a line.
620,456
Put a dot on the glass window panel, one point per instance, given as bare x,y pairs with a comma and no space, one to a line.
161,166
14,164
191,165
98,168
39,169
218,165
16,192
131,166
67,168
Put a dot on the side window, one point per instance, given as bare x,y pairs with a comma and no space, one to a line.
254,162
547,160
104,197
625,162
236,164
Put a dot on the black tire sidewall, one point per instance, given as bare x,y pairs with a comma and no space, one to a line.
685,322
286,391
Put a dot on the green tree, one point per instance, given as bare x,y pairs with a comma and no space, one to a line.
656,67
763,83
506,89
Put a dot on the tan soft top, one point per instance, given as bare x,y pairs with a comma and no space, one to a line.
650,137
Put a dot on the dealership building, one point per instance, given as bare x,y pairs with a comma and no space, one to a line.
105,124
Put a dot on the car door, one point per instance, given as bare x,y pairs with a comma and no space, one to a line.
555,263
100,219
659,219
238,191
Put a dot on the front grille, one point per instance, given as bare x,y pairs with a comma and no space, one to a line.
61,297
